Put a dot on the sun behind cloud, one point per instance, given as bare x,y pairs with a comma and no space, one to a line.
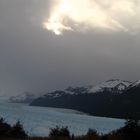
107,15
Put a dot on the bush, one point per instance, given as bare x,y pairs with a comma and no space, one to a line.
5,129
92,134
131,131
15,131
18,131
59,132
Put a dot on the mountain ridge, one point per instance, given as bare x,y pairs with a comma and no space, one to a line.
113,98
114,85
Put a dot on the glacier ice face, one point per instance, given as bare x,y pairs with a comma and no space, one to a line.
37,121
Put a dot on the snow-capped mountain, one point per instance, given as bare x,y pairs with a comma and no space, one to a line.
101,100
26,97
68,91
135,84
115,85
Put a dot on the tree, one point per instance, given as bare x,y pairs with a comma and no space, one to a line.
59,132
18,131
5,128
131,130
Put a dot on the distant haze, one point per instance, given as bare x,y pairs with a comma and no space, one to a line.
35,59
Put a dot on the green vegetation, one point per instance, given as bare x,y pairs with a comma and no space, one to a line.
131,131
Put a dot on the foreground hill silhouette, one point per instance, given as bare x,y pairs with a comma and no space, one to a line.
131,131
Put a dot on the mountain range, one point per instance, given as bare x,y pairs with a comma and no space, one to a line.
112,98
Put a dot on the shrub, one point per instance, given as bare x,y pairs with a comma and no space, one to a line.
18,131
59,132
92,135
92,132
5,129
131,131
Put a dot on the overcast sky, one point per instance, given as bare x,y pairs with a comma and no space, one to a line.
34,59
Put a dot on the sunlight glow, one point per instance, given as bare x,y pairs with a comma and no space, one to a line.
107,15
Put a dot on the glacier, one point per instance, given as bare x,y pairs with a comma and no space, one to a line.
37,121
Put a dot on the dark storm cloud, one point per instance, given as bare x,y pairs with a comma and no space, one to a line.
33,59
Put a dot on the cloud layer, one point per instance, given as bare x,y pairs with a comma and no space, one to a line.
33,59
81,15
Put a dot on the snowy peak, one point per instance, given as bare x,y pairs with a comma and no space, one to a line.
68,91
26,97
113,86
135,84
116,85
78,90
55,94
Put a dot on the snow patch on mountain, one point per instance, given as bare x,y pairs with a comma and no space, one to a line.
26,97
115,86
111,85
68,91
135,84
